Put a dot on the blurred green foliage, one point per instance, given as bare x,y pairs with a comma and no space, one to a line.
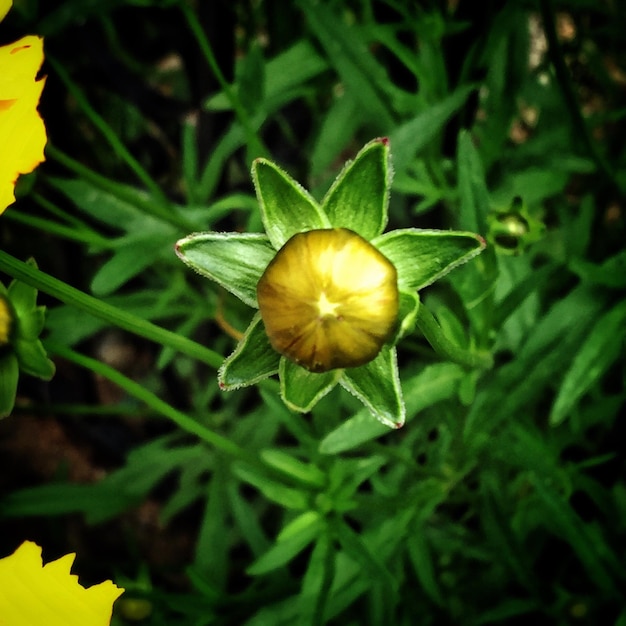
503,499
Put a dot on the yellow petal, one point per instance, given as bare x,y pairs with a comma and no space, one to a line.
22,132
34,594
328,299
5,5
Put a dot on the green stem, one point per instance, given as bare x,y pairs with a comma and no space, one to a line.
446,348
253,140
136,390
65,232
111,314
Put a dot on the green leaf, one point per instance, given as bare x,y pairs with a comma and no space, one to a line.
295,468
357,67
287,497
424,256
601,347
286,207
285,550
236,261
359,197
377,385
9,375
472,188
33,359
300,389
130,259
250,77
253,359
317,582
433,384
411,137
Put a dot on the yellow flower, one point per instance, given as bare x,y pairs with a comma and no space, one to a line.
32,594
22,132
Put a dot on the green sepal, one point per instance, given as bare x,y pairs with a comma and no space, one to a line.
253,359
23,296
377,385
407,314
236,261
359,197
286,207
300,389
31,323
423,256
9,375
33,359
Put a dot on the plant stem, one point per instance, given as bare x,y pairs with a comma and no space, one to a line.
254,143
104,311
136,390
427,323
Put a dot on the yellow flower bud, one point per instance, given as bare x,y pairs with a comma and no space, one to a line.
328,299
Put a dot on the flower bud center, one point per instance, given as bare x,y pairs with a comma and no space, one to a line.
328,300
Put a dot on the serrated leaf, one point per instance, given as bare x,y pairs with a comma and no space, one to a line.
236,261
359,197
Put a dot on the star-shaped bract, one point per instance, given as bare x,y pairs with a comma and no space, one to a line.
358,200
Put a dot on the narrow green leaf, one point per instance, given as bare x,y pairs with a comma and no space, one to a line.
568,526
424,256
236,261
359,197
299,524
129,260
600,349
377,385
472,188
9,375
287,497
253,359
284,551
408,139
300,389
420,555
348,53
290,466
286,207
316,583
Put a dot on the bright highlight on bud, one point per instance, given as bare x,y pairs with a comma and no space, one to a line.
329,300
